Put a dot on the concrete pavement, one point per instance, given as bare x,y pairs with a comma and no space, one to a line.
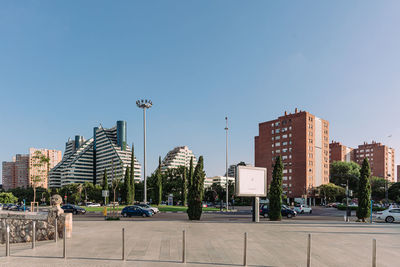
214,242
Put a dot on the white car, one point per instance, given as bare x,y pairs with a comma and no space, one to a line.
302,209
148,207
90,204
389,215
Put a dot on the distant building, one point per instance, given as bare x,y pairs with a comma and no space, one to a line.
398,173
302,140
221,180
179,156
380,157
339,152
24,169
88,160
15,173
41,174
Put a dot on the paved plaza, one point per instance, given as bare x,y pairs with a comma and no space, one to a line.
214,241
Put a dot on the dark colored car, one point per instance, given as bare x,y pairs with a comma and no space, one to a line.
68,208
286,212
130,211
11,207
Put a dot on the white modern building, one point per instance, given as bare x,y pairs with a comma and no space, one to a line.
179,156
88,160
221,180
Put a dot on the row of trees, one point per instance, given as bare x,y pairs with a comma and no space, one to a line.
341,172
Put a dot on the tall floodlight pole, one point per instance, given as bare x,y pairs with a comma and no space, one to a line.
226,165
144,104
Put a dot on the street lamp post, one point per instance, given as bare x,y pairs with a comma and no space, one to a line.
226,165
387,188
144,104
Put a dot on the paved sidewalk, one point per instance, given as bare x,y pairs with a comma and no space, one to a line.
159,243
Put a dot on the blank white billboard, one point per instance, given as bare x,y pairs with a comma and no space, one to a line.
251,181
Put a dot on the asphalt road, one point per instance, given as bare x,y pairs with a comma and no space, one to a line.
243,214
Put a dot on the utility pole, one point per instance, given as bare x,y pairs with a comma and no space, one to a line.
226,165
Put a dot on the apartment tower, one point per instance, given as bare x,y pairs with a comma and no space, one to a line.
15,173
380,157
302,140
339,152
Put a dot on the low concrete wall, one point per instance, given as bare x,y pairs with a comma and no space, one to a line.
20,224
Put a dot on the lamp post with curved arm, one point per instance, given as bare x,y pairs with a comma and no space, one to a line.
144,104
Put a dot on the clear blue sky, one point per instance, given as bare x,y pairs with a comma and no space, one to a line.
67,65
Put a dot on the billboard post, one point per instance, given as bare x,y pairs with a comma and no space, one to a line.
252,182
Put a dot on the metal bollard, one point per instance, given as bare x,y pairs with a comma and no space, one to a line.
309,251
65,242
8,241
374,252
33,234
123,244
245,250
56,231
184,246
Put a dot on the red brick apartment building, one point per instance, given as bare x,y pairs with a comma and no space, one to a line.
302,140
380,157
339,152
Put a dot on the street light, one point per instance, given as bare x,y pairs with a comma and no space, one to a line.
144,104
226,165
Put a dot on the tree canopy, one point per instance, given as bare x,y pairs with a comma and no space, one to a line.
341,171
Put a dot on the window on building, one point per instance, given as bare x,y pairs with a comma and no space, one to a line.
284,136
277,144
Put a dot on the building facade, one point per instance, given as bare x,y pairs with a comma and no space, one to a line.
221,180
15,173
380,157
302,140
24,170
339,152
39,171
88,160
179,156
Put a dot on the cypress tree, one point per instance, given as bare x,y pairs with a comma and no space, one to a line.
132,178
184,187
105,183
275,191
159,182
364,192
127,185
196,191
190,174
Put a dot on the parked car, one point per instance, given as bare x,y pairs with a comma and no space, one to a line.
147,206
300,208
69,208
130,211
218,205
91,204
285,211
389,215
12,207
